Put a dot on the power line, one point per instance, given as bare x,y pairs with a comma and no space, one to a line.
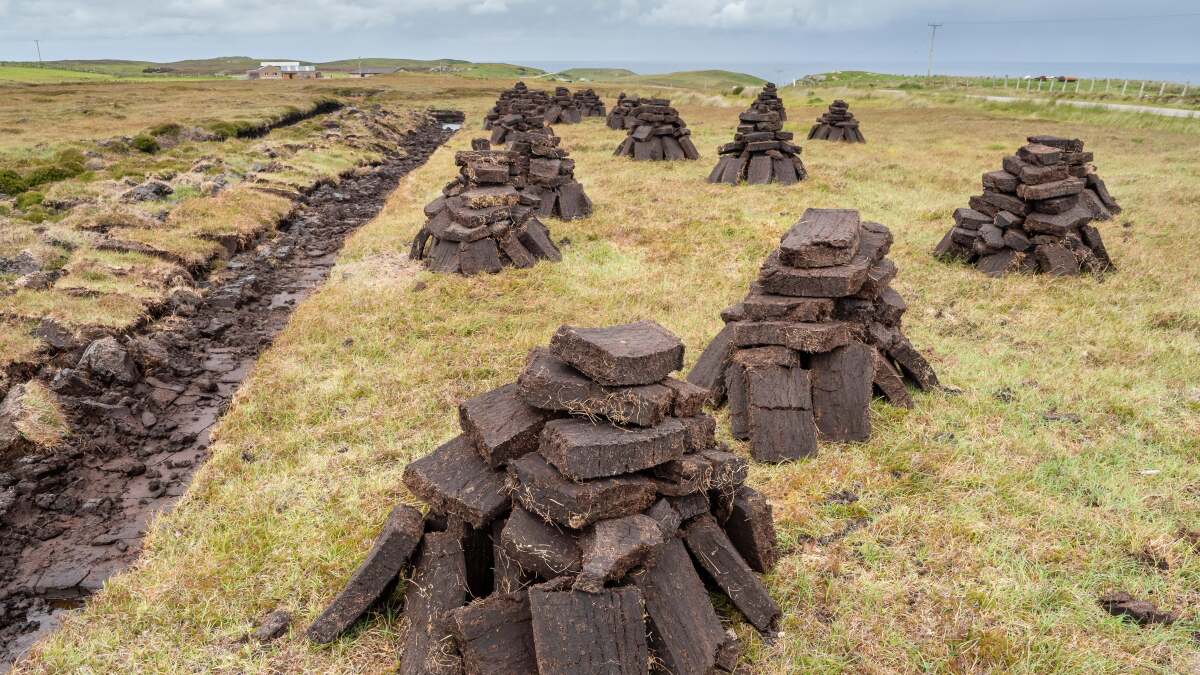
1081,19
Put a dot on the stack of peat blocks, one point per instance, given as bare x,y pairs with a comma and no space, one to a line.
573,525
523,117
656,132
482,222
768,100
520,97
562,108
1035,214
589,103
618,117
544,170
837,125
799,358
761,153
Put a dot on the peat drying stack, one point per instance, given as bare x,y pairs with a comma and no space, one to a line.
482,222
761,153
562,108
768,100
837,125
570,524
656,133
1035,214
800,357
544,170
618,117
520,95
523,117
589,103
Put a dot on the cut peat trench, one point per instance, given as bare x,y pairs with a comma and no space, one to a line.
72,517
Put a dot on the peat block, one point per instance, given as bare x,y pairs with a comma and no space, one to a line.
611,548
542,490
720,559
495,635
437,587
375,577
600,632
822,238
685,632
751,528
582,450
632,354
454,479
539,547
501,424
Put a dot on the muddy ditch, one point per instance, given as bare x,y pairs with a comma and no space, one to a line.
141,406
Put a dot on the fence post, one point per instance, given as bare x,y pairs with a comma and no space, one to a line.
1142,91
1051,86
1124,86
1028,86
1163,89
1185,87
1106,85
1093,86
1039,85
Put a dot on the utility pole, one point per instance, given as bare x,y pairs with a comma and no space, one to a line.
38,44
932,34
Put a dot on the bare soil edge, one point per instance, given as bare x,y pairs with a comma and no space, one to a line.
72,517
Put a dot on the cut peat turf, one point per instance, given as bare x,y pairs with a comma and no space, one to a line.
77,514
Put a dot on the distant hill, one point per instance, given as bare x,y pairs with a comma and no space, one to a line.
436,66
227,66
237,65
699,79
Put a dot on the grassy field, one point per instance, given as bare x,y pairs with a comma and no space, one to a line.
226,66
1099,90
68,223
983,524
31,75
692,79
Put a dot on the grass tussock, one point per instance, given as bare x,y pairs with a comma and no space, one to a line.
41,420
243,213
973,533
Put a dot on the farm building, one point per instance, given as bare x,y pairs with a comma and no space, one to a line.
283,70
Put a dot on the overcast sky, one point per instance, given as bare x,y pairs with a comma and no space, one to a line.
700,32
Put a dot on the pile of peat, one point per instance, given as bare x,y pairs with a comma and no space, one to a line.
837,125
620,117
799,357
761,152
589,103
141,406
656,133
1035,215
482,222
573,525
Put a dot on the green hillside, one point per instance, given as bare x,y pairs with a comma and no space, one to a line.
454,66
594,74
692,79
35,75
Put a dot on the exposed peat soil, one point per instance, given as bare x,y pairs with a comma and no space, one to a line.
72,517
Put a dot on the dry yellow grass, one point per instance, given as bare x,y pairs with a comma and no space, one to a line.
987,531
242,213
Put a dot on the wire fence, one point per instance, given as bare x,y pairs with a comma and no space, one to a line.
1057,87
